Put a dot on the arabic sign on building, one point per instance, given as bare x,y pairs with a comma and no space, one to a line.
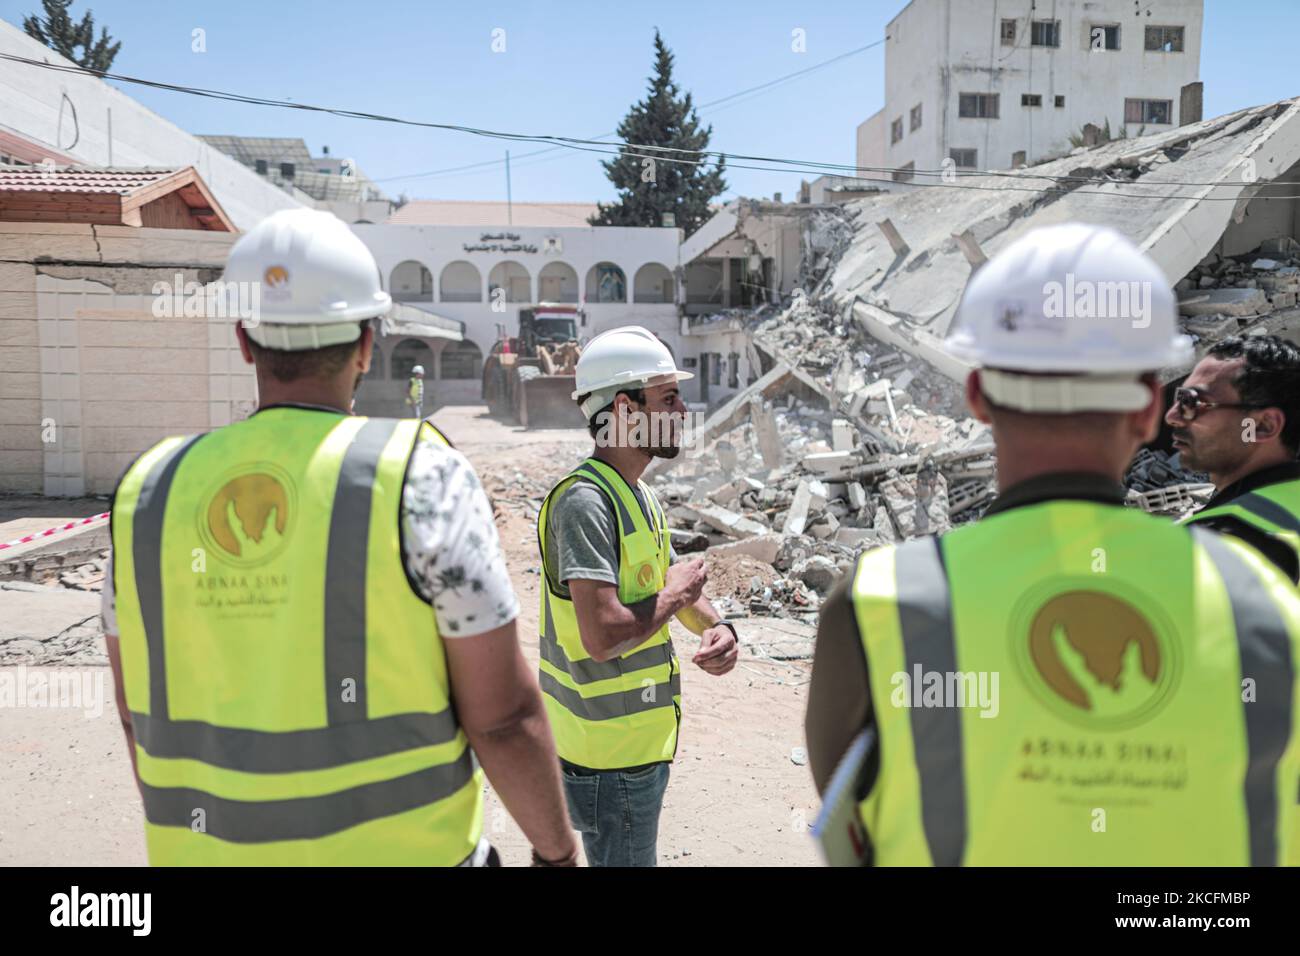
499,242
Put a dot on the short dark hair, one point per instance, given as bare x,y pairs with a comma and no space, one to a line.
286,366
1270,377
593,426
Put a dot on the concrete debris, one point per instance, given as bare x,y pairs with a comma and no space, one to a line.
1158,483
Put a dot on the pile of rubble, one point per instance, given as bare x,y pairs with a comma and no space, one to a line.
1223,293
842,445
1158,483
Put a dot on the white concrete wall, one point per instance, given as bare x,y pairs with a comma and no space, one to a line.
70,112
871,151
939,49
435,247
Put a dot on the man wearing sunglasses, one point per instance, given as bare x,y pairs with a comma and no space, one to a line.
1237,418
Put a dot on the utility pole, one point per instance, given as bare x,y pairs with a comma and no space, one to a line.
510,214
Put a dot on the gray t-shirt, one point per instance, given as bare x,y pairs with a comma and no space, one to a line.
582,536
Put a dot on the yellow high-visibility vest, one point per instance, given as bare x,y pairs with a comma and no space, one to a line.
625,712
1145,704
287,687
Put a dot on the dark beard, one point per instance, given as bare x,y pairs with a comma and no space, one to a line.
671,451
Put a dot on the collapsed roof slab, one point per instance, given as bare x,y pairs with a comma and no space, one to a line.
1191,182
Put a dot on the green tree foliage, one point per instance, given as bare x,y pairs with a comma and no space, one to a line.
58,32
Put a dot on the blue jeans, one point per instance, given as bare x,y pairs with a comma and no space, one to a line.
617,813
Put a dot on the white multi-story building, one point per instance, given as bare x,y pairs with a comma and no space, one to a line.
480,263
994,84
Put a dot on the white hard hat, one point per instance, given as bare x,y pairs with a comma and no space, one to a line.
1075,299
317,280
626,357
418,370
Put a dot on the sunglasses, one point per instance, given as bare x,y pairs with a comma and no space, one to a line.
1190,404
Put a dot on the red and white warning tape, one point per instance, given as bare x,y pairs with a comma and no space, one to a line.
49,531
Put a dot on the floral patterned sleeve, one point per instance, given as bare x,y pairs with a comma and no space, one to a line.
450,544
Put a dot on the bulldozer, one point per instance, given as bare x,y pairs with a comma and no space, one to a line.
530,376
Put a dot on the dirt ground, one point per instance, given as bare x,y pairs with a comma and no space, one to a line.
736,797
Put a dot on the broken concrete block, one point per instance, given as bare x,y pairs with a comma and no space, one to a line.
1225,302
1265,265
762,547
830,462
842,435
1282,300
732,490
810,496
904,379
818,572
859,537
730,523
687,542
766,433
856,494
825,526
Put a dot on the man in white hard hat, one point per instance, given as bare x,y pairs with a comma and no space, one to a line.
1066,681
415,391
610,678
308,614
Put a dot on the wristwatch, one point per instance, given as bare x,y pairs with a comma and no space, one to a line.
727,624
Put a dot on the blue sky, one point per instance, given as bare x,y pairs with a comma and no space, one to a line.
569,68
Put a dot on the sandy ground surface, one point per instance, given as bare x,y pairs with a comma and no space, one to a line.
736,796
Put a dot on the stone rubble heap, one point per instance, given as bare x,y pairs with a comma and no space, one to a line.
1223,293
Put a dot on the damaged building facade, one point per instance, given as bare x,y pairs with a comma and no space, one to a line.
855,434
986,85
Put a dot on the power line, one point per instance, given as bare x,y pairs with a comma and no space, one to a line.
774,164
733,99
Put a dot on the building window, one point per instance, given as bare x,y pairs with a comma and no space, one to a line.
1008,32
1045,33
916,118
733,370
978,105
1155,112
895,131
1031,99
460,360
964,158
1104,36
904,174
715,368
1060,102
1164,39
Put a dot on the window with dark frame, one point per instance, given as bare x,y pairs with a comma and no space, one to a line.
978,105
1103,36
1060,102
1008,32
905,174
915,118
964,158
896,130
1045,33
733,370
1153,112
1164,40
1031,99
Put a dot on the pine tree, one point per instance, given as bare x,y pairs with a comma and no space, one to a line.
57,31
648,184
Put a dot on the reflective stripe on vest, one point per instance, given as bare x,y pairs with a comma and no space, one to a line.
1273,509
922,808
622,712
359,763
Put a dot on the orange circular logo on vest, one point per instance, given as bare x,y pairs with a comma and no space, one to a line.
1095,659
276,276
645,575
249,517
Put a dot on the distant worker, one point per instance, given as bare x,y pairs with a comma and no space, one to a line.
415,391
611,680
308,615
1237,418
1138,677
